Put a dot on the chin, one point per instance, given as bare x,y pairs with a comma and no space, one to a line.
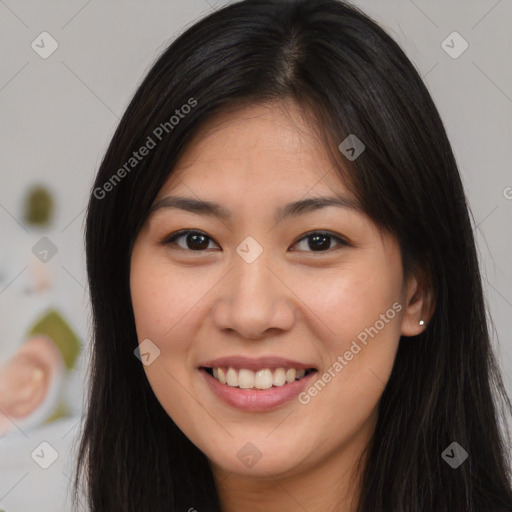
256,459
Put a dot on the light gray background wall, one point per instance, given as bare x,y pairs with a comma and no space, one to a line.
58,114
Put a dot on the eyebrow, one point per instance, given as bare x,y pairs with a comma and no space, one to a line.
295,208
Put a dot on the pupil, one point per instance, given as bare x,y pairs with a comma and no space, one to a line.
319,242
192,240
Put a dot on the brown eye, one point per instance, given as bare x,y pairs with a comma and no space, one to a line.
192,240
319,241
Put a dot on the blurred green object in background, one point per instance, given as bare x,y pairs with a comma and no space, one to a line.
39,206
57,329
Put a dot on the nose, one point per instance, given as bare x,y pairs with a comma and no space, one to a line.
254,301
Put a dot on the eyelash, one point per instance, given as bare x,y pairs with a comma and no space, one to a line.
173,237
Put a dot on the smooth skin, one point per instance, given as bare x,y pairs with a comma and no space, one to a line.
293,301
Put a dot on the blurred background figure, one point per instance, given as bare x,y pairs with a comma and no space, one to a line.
33,379
43,318
34,367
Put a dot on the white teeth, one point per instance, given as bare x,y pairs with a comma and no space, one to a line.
232,377
245,379
279,377
262,379
290,375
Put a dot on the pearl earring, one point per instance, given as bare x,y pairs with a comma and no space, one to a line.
421,322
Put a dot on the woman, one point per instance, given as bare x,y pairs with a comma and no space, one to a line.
279,234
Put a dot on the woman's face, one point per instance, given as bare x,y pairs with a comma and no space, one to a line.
268,290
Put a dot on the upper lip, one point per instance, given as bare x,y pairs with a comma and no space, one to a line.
255,364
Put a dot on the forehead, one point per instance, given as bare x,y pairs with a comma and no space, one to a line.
261,146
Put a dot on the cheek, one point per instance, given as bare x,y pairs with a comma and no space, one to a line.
161,301
360,310
349,300
166,301
161,298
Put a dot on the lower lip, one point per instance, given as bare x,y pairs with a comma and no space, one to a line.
257,400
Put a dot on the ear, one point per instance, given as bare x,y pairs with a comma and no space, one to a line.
419,303
26,377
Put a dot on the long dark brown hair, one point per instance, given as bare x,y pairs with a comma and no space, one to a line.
352,78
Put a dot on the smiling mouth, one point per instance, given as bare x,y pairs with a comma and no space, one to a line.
267,378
